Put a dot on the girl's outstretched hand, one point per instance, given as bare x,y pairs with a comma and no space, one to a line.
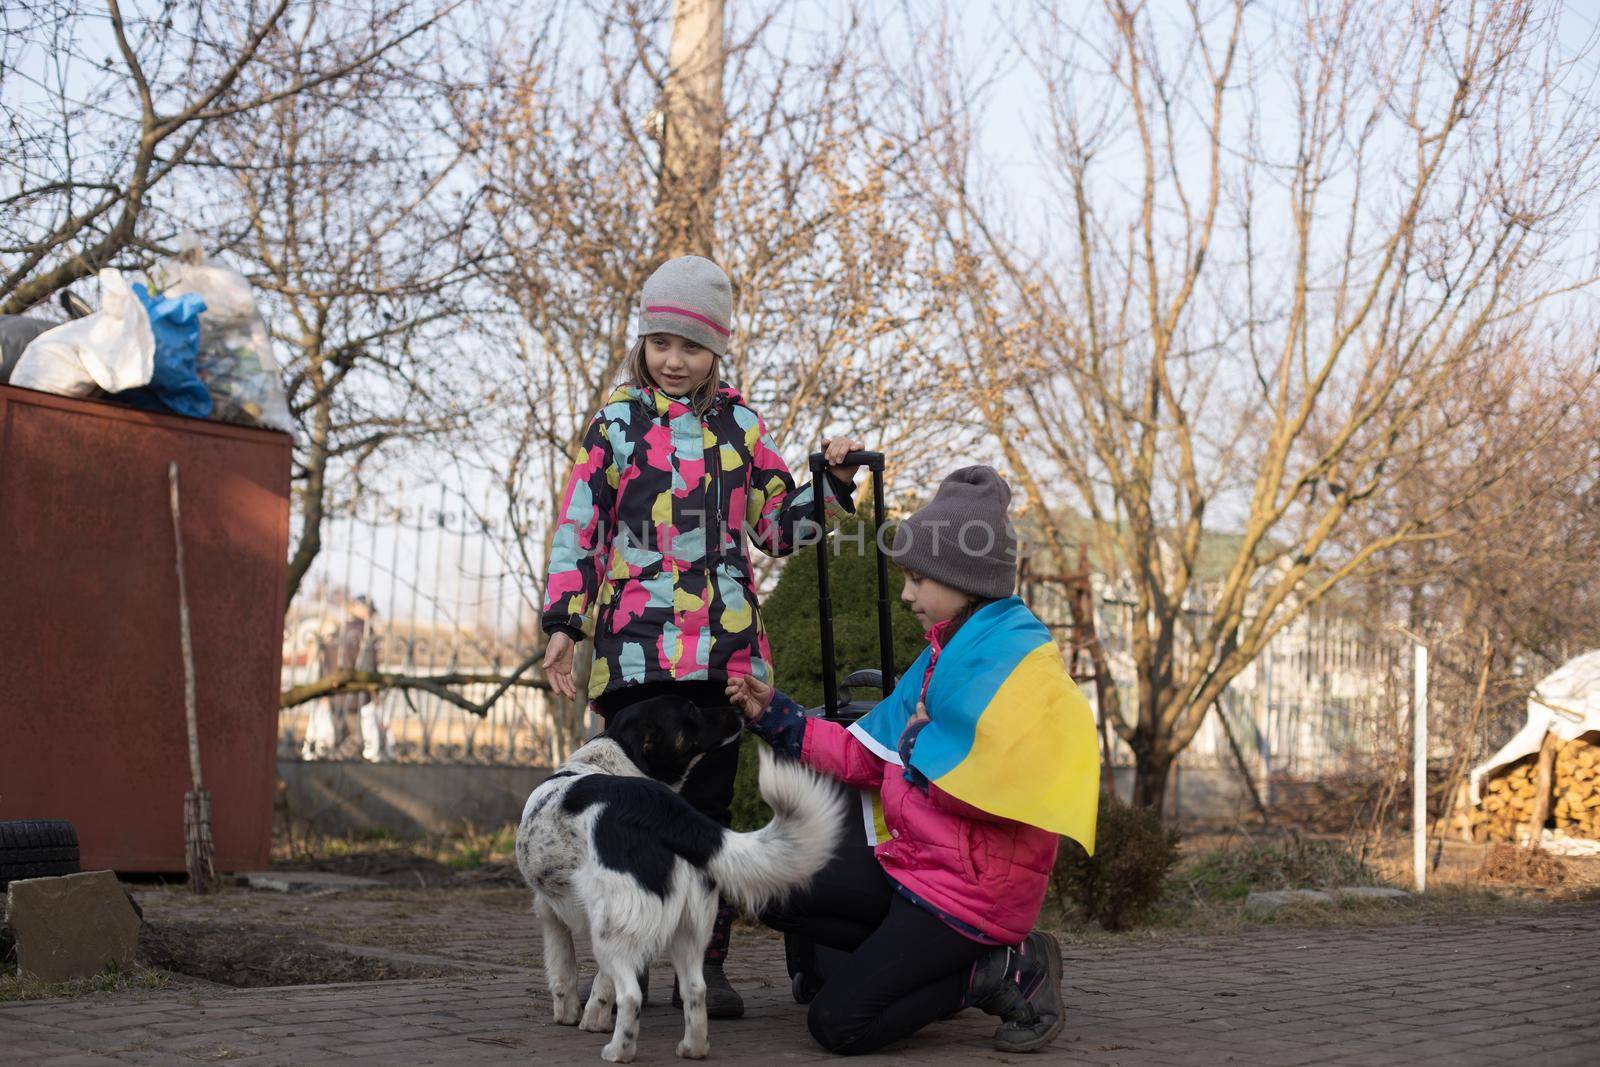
558,664
834,449
749,696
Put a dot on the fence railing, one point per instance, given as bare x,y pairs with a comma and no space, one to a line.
419,591
1328,694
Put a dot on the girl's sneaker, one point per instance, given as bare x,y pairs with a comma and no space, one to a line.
1022,986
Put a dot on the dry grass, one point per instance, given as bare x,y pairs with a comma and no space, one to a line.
379,854
1513,865
1205,896
113,980
1225,919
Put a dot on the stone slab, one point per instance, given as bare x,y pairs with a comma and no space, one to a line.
71,926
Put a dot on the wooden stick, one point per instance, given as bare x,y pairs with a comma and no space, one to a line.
1541,789
198,849
183,631
1464,751
1244,770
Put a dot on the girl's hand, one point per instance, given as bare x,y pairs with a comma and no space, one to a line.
913,724
834,449
558,664
749,696
908,741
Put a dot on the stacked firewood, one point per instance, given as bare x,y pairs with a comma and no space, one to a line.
1510,798
1507,804
1577,788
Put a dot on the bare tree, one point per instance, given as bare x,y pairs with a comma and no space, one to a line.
690,123
1286,249
349,207
1520,577
829,301
103,111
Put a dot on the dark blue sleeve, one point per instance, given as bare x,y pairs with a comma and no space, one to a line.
908,741
782,725
843,491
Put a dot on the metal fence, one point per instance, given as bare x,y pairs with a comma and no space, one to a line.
1328,695
445,596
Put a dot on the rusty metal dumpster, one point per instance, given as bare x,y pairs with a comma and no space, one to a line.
92,722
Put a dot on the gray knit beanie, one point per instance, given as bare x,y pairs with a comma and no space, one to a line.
962,538
690,297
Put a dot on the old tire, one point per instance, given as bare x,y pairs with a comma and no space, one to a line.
37,848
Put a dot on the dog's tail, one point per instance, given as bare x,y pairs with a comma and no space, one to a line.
765,865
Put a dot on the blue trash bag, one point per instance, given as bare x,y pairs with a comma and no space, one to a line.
174,384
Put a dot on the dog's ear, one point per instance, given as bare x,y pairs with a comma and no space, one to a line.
631,729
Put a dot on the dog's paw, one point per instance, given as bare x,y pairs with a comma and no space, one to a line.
693,1050
596,1017
618,1052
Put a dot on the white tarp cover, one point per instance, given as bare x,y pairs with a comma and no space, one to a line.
1566,703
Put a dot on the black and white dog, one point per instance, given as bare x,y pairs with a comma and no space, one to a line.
609,847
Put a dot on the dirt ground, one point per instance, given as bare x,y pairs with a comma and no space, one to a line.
441,963
431,919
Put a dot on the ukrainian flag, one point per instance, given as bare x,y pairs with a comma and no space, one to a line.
1009,730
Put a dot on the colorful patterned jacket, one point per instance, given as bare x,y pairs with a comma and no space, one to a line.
653,530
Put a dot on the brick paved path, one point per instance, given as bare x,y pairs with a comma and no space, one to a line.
1484,991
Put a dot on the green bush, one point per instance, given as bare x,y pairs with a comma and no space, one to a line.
1123,880
792,623
750,812
790,614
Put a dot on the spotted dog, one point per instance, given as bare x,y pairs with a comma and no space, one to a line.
609,847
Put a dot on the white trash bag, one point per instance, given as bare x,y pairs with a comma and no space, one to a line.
111,349
235,359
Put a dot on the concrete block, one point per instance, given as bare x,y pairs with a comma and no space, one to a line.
1262,900
1370,892
73,926
304,881
1272,900
409,800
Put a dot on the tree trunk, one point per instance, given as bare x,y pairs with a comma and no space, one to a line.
1152,763
691,130
313,494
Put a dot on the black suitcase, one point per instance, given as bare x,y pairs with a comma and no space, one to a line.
849,709
800,953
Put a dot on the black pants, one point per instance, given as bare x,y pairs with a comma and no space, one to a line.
709,787
887,967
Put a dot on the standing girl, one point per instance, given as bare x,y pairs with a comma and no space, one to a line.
983,753
675,469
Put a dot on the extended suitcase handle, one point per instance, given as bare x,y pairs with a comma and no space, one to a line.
873,461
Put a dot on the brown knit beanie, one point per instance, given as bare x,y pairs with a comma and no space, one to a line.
961,538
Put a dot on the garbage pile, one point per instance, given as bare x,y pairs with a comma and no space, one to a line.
186,338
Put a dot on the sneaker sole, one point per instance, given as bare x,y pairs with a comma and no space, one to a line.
1052,950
